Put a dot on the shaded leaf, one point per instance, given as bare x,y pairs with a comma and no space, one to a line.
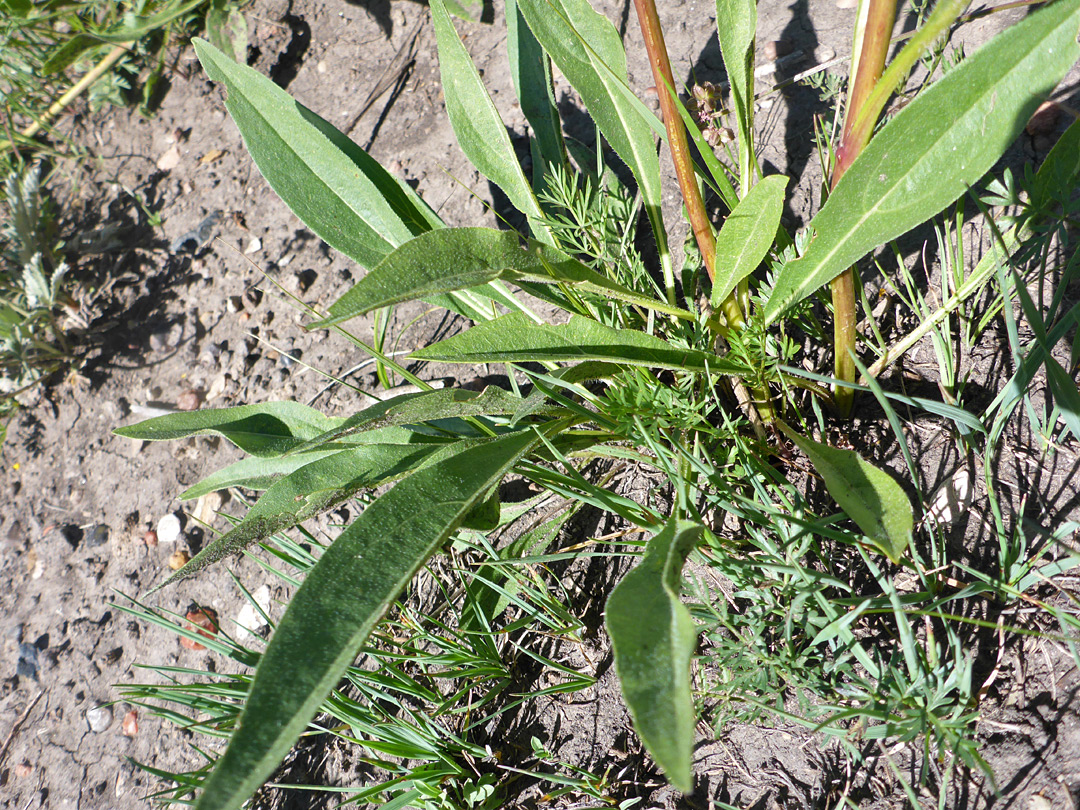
339,603
869,496
266,430
935,148
514,338
653,638
589,51
747,234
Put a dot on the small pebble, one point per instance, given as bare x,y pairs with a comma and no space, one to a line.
235,304
250,619
775,49
130,724
150,538
23,769
189,400
99,718
178,559
252,297
1044,120
254,246
168,529
97,536
157,342
205,621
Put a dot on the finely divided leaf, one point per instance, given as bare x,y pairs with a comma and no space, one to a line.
266,430
747,234
514,338
869,496
935,148
653,638
343,597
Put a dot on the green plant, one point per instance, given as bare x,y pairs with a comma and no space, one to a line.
670,399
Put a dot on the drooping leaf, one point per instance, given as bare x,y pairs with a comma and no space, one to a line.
227,30
480,131
426,406
308,491
869,496
937,147
588,50
339,603
332,184
530,70
68,53
747,234
653,638
514,338
459,258
266,430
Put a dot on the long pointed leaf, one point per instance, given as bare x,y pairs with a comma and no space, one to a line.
332,184
459,258
266,430
653,638
308,491
514,338
339,603
480,131
935,148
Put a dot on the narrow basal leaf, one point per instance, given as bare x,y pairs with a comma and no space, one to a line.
266,430
426,406
340,601
747,234
335,187
653,638
261,473
937,147
530,70
310,490
736,27
869,496
480,131
459,258
588,50
514,338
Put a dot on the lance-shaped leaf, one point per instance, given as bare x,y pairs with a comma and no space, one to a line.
308,491
480,131
426,406
736,27
514,338
266,430
653,638
261,473
459,258
588,50
530,70
935,148
747,234
869,496
333,185
340,601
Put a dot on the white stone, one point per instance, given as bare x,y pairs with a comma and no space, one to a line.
168,529
249,619
99,718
